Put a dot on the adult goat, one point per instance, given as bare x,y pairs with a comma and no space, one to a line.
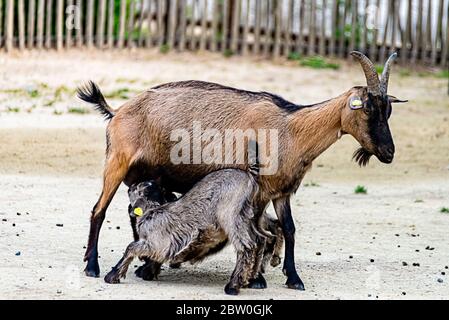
139,144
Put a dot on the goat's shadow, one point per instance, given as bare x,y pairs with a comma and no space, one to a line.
192,275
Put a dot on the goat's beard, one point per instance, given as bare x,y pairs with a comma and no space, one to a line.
362,156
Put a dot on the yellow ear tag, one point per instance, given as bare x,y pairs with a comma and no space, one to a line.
356,103
138,211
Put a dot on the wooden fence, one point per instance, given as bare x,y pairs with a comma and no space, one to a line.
417,29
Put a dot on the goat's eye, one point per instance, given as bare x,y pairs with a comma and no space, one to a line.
367,110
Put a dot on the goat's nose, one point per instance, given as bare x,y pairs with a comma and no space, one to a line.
390,151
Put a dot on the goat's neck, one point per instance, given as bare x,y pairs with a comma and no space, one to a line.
316,128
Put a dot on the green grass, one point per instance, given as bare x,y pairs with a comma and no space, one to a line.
126,80
60,91
13,109
379,68
444,210
78,110
318,62
311,184
122,93
405,73
419,201
294,56
165,48
443,74
33,93
360,190
228,53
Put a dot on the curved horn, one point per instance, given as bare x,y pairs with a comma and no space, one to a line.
386,73
372,79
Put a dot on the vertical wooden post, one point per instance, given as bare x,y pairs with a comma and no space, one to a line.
334,27
90,23
149,41
312,29
130,40
141,18
342,40
364,36
245,42
373,47
406,41
21,18
9,24
383,49
300,40
79,31
396,13
183,25
68,29
322,49
428,38
418,35
31,23
1,24
121,34
235,26
160,24
439,33
268,31
215,17
277,28
111,20
256,47
203,26
59,24
48,26
225,26
354,13
101,18
289,28
40,24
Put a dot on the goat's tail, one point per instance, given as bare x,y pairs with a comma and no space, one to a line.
253,159
91,93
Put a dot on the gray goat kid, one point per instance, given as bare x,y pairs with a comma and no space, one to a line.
217,209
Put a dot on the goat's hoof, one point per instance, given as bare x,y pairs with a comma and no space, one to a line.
231,290
175,265
139,271
112,278
147,275
275,261
257,283
297,284
92,269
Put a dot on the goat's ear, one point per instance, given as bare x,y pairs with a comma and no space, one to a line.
393,99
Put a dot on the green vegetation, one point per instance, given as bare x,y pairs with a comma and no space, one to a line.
311,184
443,74
318,62
360,190
13,109
122,93
228,53
294,56
78,110
379,68
57,113
165,48
419,201
444,210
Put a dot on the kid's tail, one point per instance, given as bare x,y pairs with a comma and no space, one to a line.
253,158
92,94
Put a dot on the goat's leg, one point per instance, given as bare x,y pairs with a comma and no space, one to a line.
120,269
284,213
114,173
257,280
242,271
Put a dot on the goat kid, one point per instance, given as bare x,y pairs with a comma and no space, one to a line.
216,209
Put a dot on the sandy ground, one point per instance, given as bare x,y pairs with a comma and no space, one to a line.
348,245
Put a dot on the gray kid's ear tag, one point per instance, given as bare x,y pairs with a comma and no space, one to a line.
355,103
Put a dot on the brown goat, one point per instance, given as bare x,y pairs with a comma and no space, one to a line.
139,142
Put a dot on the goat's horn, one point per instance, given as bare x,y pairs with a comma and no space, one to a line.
386,73
372,79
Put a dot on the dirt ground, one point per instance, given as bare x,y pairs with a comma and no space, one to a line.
389,243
